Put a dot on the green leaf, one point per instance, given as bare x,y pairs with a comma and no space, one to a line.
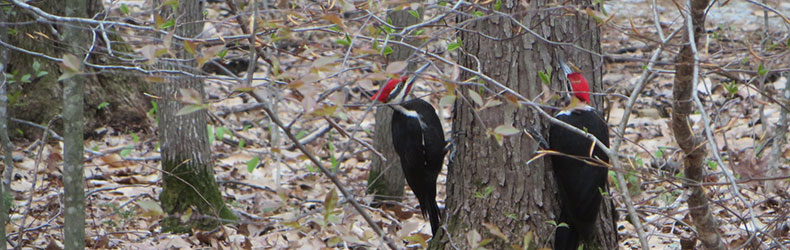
126,151
154,108
41,74
387,51
452,46
346,41
103,105
545,77
301,134
414,13
220,132
36,65
332,158
712,165
731,87
387,29
253,163
124,9
488,190
343,42
478,13
497,5
188,109
419,32
135,137
26,78
167,24
761,71
659,153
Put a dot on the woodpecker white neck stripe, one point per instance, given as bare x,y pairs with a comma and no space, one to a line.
410,113
578,108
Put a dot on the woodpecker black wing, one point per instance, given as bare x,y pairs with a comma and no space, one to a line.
580,184
418,139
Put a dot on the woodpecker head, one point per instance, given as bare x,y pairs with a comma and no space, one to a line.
579,85
397,88
395,91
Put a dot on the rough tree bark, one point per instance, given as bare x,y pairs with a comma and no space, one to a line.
385,179
73,98
188,178
693,146
490,184
38,100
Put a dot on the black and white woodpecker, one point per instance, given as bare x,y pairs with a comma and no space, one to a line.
580,181
418,138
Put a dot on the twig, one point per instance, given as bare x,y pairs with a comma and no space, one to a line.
332,176
620,133
33,187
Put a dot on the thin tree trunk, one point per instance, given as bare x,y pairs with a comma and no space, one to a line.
5,142
73,98
693,146
188,178
491,185
385,178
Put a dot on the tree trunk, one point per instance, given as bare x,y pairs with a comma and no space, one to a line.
73,98
492,186
385,179
188,178
37,100
5,142
694,147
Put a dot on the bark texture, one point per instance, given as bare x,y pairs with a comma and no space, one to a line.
5,142
188,178
73,98
385,179
693,145
492,184
38,99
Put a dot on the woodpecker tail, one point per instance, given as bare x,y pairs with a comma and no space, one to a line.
565,239
430,208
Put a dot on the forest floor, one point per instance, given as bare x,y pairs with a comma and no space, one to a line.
283,201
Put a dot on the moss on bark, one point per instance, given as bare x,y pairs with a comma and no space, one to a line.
189,187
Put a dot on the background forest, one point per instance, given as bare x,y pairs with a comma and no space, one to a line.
160,119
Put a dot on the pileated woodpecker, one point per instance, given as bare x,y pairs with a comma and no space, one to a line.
418,139
580,183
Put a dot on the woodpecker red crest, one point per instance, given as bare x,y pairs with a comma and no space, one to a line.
386,94
579,85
